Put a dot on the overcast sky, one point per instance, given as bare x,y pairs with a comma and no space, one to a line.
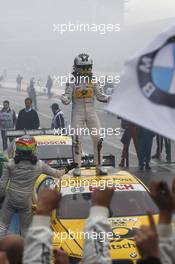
149,10
29,45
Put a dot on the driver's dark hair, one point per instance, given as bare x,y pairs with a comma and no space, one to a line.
6,102
55,106
28,99
25,155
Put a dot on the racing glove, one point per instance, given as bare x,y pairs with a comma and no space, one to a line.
70,166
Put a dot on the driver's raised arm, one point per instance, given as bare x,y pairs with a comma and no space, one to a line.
66,98
100,95
46,169
96,248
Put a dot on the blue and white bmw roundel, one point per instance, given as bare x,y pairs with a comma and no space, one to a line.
163,69
156,74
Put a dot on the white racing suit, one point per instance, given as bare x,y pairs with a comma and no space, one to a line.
16,184
38,242
97,250
84,114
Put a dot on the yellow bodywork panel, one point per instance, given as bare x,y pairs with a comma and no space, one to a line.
68,233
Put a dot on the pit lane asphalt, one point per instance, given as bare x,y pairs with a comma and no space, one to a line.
112,144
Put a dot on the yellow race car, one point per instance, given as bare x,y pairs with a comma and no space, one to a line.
129,207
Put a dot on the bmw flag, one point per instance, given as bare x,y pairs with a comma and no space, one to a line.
146,94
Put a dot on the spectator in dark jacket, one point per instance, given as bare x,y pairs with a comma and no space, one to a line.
145,141
58,121
32,93
129,133
28,117
18,82
159,141
49,85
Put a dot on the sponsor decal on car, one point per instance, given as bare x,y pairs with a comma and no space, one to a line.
60,142
53,140
118,222
127,245
88,189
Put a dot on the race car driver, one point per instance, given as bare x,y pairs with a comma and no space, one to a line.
82,92
16,183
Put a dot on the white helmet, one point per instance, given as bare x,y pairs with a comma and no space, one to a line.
83,59
83,64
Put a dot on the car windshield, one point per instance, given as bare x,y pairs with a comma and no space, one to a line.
53,149
45,152
125,203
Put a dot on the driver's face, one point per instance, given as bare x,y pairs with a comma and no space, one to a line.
85,71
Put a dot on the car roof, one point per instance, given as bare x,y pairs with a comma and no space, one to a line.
122,180
89,174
